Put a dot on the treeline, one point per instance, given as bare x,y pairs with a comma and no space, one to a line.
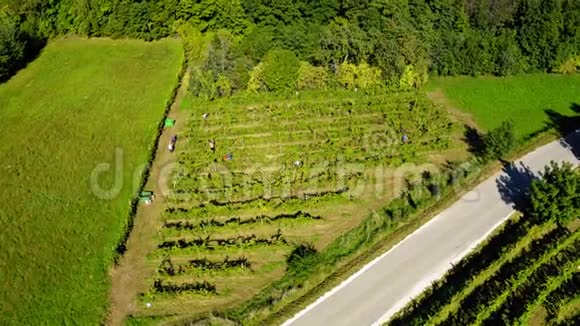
402,39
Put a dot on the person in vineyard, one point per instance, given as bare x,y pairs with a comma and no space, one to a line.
405,138
172,143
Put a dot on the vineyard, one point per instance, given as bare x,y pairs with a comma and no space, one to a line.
525,274
255,183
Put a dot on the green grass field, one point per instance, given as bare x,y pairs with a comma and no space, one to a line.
523,98
61,116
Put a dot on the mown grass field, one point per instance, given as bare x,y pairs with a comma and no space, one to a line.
523,98
230,225
63,115
525,274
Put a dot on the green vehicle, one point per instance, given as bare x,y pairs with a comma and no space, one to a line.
146,197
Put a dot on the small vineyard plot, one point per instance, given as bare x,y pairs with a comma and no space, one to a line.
254,182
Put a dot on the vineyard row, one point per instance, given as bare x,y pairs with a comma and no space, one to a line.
181,225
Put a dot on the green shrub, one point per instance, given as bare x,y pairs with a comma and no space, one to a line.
240,75
301,256
499,141
347,75
223,86
410,79
362,76
570,66
310,77
202,83
257,82
280,70
368,77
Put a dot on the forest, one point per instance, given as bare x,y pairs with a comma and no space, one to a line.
398,42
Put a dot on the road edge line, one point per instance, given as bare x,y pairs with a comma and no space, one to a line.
369,265
418,290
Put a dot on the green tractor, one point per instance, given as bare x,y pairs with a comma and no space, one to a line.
146,197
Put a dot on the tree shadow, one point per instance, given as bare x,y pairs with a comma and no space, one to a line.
567,127
32,50
514,183
474,140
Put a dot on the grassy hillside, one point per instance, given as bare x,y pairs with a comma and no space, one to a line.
63,116
522,98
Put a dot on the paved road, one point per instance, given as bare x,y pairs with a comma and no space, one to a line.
381,288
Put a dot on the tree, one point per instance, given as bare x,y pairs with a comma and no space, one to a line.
280,70
499,141
445,37
556,195
508,58
343,41
220,58
475,54
541,22
446,54
240,74
12,49
257,81
195,43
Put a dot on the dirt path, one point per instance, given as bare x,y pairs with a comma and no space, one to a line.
128,278
439,98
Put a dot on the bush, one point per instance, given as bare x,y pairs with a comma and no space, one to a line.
241,73
301,256
310,77
499,141
347,75
257,81
202,83
280,70
362,76
569,66
368,77
410,79
223,85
